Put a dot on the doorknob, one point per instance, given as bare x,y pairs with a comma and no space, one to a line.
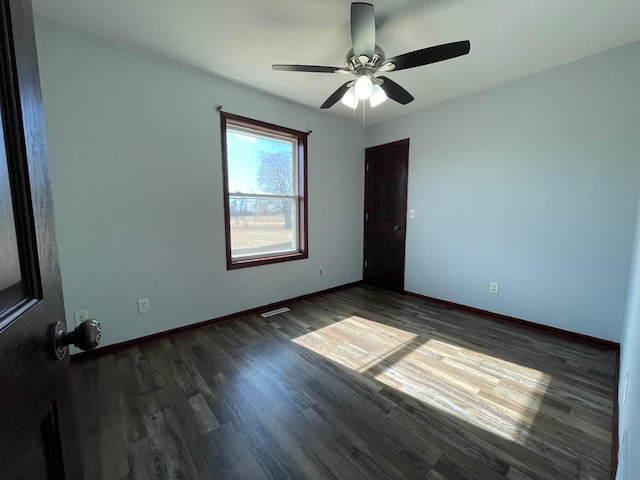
86,336
396,227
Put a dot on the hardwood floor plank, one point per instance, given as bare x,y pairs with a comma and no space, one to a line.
364,444
515,474
86,379
449,432
168,451
146,377
228,456
205,419
128,394
139,460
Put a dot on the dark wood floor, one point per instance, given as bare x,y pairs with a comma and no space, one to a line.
357,384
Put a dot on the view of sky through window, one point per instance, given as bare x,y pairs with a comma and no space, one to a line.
246,151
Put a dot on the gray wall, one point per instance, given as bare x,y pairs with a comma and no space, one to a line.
532,184
134,148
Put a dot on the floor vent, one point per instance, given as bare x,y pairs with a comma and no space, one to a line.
274,312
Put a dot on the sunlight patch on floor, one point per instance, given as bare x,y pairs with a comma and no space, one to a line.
356,343
499,396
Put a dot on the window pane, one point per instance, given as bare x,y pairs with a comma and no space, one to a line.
10,266
260,164
262,226
12,285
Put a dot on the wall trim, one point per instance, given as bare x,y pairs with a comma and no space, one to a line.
558,332
137,342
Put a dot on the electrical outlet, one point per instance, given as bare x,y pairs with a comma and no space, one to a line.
143,305
494,287
412,213
80,316
320,271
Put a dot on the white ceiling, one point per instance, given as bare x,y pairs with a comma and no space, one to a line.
240,39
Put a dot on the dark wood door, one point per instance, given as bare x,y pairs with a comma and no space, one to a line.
386,168
36,419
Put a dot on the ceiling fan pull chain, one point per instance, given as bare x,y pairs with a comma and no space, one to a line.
364,106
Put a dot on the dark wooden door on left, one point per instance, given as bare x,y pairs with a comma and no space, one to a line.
37,430
385,198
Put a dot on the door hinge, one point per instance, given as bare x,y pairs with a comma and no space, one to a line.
367,167
366,216
366,264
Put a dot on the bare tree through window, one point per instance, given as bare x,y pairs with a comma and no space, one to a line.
275,176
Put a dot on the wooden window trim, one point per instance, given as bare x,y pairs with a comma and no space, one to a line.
303,237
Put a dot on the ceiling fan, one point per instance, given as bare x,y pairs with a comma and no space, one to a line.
366,59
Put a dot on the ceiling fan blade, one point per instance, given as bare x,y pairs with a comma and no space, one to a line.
309,68
429,55
363,29
395,91
337,95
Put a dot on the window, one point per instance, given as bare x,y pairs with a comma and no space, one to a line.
264,170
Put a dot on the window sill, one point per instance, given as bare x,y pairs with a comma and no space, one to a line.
254,262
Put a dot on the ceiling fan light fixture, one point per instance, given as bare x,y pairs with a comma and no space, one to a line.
363,87
349,98
378,96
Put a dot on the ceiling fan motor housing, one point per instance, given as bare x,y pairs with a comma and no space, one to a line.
354,62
